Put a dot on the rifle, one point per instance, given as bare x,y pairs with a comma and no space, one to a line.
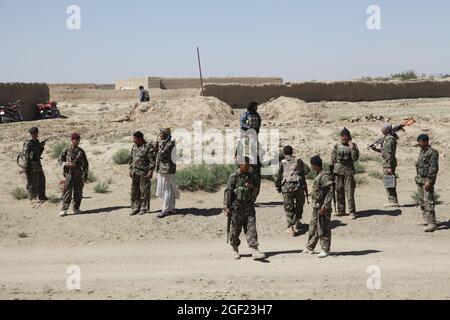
401,127
305,190
228,226
334,188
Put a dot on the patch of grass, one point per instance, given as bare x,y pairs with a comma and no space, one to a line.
376,174
91,178
22,235
208,178
311,175
360,180
359,168
54,199
369,157
58,148
101,187
19,193
404,76
121,157
436,197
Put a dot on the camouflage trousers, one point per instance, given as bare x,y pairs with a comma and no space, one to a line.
74,186
345,188
243,218
320,229
293,206
140,192
35,182
391,192
426,202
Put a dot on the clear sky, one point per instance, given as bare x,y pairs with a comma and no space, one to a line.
298,40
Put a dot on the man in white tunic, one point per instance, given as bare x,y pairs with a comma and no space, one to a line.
166,168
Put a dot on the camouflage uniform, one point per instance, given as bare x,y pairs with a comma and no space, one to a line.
388,152
427,169
320,225
32,151
291,181
241,202
142,160
75,176
164,162
343,159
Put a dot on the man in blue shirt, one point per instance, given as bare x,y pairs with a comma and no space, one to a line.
143,95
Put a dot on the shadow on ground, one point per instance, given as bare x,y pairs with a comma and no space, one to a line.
105,210
354,253
199,212
370,213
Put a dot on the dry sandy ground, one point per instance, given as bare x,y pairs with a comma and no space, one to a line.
186,257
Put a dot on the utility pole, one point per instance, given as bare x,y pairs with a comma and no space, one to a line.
200,68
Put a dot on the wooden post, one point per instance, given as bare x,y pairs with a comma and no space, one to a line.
200,68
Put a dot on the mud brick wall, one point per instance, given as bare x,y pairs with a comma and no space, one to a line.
240,95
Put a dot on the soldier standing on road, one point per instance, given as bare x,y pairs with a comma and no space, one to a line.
427,169
290,180
320,225
142,164
388,152
32,152
76,169
239,207
344,155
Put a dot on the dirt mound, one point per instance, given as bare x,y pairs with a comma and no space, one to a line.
182,112
290,110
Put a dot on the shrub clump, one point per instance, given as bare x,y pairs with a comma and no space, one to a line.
204,177
19,193
58,148
121,157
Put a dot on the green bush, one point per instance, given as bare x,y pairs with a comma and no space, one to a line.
359,168
204,177
19,193
101,187
121,157
406,75
376,174
58,148
91,178
436,197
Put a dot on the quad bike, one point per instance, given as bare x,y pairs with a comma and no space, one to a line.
11,112
48,110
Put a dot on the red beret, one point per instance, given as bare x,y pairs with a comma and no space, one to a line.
75,136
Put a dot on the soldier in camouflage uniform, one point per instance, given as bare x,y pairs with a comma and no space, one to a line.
290,180
76,169
142,164
388,152
32,152
427,169
344,155
239,206
248,145
320,225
